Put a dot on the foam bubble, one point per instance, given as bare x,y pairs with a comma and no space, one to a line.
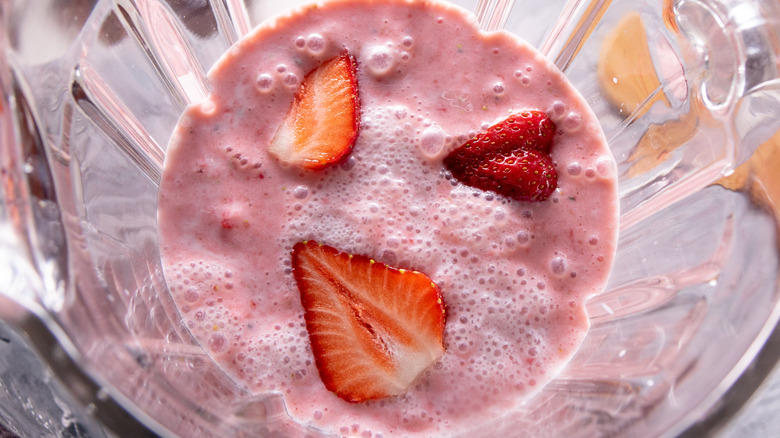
574,168
290,79
605,167
264,82
557,110
432,141
217,342
523,237
379,60
558,265
300,192
572,122
348,164
316,43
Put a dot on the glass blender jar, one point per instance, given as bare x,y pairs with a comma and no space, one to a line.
686,91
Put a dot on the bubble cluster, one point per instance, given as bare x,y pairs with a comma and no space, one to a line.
382,60
522,76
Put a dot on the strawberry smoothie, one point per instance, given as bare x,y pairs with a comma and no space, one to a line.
513,274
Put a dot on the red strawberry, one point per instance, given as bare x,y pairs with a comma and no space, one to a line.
525,175
321,126
526,130
373,329
510,158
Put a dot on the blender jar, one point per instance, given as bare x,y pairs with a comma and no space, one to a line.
686,91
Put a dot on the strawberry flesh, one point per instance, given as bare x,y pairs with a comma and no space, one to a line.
511,158
373,329
321,127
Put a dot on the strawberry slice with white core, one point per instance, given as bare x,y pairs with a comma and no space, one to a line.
373,328
321,126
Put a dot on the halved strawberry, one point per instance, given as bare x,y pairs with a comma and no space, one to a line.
510,158
525,175
373,329
321,126
525,130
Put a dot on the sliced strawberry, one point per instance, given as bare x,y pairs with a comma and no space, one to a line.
373,329
510,158
321,126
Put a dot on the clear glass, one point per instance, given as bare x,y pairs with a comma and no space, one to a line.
685,90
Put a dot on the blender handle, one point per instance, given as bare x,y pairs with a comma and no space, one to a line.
717,94
746,31
732,45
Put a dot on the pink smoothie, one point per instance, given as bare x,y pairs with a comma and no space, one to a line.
514,275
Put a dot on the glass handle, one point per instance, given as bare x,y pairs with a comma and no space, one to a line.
686,90
733,48
718,59
731,44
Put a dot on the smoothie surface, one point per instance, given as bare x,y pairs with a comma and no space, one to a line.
513,275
